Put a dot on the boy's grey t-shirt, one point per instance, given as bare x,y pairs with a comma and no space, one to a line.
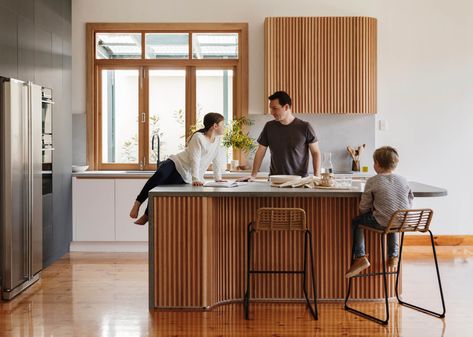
288,146
385,194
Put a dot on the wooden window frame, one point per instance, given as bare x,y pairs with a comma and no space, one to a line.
93,106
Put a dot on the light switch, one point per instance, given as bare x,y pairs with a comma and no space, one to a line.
382,125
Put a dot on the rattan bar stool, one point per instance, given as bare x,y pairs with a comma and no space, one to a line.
281,219
402,221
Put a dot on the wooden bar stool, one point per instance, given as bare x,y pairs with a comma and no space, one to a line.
281,219
402,221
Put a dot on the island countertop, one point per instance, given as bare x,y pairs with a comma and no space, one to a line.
264,189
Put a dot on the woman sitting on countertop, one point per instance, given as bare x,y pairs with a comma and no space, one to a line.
189,165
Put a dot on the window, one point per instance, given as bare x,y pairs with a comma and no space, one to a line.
150,84
118,46
119,95
167,104
167,45
215,46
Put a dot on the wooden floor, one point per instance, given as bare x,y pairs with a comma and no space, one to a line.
105,295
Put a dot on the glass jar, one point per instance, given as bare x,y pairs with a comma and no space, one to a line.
327,165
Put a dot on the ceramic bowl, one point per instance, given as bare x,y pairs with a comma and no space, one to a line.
79,168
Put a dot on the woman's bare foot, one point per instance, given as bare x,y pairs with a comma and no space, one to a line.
142,220
135,209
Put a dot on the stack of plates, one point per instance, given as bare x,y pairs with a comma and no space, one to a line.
281,179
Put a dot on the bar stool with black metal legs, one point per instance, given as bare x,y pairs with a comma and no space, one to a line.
281,219
402,221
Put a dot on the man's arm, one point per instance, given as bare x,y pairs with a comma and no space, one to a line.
259,156
315,152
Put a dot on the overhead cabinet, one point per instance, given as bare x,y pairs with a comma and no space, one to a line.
326,64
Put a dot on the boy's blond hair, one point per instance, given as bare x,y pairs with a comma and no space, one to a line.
386,157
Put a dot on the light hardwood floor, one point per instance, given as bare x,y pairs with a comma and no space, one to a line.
105,295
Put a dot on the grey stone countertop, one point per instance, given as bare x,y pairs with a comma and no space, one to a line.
263,189
147,174
208,174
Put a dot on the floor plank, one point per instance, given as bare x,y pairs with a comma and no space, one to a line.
97,294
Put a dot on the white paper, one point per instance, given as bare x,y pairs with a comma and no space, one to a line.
221,184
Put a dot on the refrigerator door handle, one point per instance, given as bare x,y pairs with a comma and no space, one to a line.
25,148
30,181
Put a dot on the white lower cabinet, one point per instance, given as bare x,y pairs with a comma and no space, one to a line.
94,209
101,220
126,191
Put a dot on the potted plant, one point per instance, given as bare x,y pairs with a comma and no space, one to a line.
236,137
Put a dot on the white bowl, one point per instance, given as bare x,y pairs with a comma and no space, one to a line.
79,168
281,179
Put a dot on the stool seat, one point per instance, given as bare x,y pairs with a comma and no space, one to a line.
280,219
406,220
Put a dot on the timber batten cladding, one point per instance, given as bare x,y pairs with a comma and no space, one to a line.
327,64
200,251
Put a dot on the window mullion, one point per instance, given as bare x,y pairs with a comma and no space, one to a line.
144,118
191,110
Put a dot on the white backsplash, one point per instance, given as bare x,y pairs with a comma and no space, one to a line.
335,133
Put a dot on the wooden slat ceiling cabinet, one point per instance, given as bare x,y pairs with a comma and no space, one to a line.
326,64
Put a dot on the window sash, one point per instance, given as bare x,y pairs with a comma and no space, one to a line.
144,135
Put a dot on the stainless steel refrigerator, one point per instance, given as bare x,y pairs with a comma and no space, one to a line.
20,185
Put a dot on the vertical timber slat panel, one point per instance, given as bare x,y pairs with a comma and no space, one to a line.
201,243
327,64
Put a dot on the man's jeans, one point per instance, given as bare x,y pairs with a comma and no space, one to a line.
368,220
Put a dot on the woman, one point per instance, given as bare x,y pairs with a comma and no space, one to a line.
189,165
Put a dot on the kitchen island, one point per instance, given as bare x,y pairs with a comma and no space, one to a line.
197,244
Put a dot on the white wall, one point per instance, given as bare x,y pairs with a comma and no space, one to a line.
425,93
425,82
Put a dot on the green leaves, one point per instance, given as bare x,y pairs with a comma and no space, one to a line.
236,137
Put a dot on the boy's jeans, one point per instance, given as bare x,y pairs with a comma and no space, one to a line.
368,219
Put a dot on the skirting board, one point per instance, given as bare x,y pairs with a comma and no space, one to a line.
125,247
109,247
440,240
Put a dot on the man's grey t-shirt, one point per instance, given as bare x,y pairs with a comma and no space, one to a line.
288,145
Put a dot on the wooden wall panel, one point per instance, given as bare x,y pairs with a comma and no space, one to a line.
201,251
326,64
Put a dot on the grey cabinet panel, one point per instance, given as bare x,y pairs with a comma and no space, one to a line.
35,45
48,235
26,49
67,21
56,73
43,58
49,15
23,7
8,43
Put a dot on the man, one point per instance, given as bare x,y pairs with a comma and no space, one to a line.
289,140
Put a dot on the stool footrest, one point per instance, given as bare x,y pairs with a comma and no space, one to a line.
376,274
425,311
362,314
276,272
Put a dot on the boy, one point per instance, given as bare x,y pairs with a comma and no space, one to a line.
384,194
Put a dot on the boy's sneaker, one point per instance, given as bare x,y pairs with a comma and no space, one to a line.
393,261
359,264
